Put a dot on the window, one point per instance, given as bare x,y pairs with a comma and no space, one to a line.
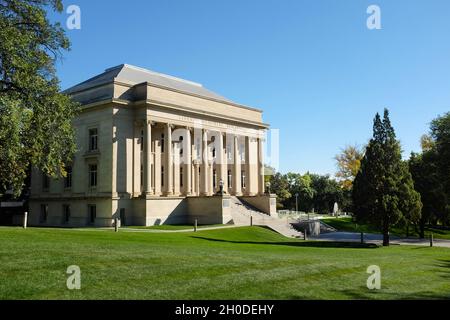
214,179
141,140
214,152
66,213
162,176
93,139
230,155
230,180
242,179
68,178
162,142
142,175
122,217
44,213
181,177
93,175
92,213
45,182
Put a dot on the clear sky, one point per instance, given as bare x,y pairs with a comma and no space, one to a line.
316,70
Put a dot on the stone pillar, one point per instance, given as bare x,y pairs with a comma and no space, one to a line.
176,168
188,165
204,166
197,178
261,185
237,168
137,190
248,167
157,166
220,161
148,158
168,167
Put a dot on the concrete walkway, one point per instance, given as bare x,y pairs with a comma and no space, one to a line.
378,239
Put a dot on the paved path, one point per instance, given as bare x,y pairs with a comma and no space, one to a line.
378,239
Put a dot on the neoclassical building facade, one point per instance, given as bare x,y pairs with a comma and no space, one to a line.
154,149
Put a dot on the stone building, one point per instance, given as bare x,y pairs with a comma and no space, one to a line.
154,149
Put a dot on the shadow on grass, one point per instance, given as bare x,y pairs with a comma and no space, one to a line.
366,294
310,244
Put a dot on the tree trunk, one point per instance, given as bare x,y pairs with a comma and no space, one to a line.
386,233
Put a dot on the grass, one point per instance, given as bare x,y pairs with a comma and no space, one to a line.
234,263
346,224
171,227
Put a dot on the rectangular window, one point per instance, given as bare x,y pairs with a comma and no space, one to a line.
162,142
214,179
68,178
92,213
44,213
93,175
142,175
243,179
93,139
181,177
162,176
229,153
66,213
230,180
45,182
141,140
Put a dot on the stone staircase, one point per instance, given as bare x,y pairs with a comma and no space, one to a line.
242,211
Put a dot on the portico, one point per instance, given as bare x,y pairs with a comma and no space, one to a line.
154,149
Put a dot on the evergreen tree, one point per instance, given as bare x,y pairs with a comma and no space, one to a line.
383,191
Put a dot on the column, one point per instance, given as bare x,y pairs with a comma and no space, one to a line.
197,178
148,158
220,161
187,150
137,191
176,168
157,167
248,167
204,165
168,167
261,185
237,168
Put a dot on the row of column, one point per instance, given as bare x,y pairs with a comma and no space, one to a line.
197,175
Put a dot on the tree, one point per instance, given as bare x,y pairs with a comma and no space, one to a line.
348,163
280,185
440,131
301,185
383,191
35,118
327,193
427,181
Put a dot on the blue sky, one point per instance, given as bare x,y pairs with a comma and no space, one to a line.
313,66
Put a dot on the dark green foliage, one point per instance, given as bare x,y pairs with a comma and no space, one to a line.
383,191
35,118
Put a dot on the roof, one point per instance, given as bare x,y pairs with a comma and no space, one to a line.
137,75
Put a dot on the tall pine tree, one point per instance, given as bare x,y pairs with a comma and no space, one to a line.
383,191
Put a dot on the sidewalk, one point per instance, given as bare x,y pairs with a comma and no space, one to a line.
378,239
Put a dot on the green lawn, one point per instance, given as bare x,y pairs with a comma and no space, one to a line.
346,224
174,227
236,263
